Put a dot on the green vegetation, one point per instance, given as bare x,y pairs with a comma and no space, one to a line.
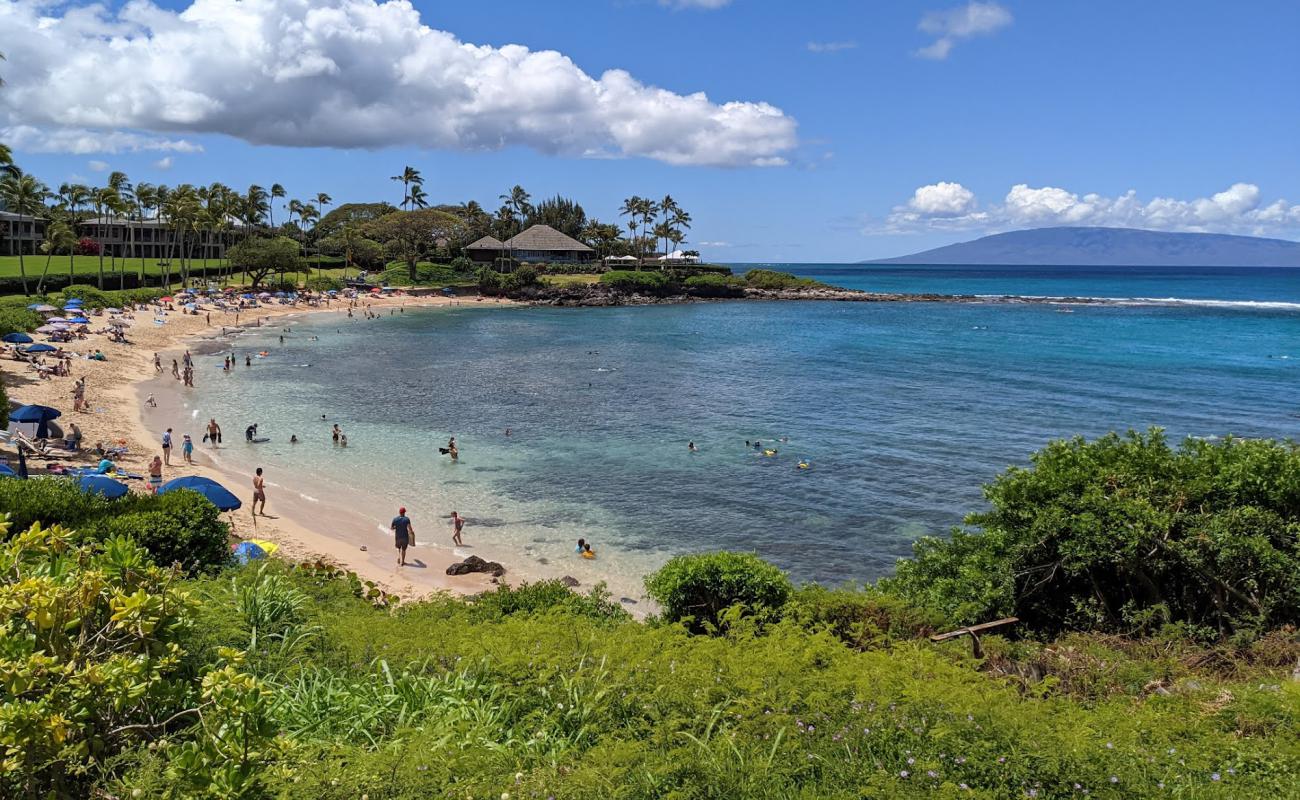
1126,533
656,283
775,281
175,528
119,678
697,589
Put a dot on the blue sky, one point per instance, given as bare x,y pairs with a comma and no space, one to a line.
1038,113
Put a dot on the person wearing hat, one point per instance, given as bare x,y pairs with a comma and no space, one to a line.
403,535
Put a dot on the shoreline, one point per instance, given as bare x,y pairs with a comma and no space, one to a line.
117,389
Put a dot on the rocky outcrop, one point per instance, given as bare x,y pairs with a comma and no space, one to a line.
598,295
476,564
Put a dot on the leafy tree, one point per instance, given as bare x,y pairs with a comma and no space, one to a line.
697,589
413,234
261,257
333,223
561,213
1123,532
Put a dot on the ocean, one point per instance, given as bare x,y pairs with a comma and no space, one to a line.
901,410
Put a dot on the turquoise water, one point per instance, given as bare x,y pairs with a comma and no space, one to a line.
903,410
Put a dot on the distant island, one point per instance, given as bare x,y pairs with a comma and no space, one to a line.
1110,247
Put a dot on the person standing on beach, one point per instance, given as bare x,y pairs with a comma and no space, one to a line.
403,535
248,360
188,359
167,447
336,433
187,449
214,432
176,369
155,474
157,363
259,492
457,525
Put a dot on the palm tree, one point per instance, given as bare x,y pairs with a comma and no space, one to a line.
146,200
632,225
7,164
105,201
58,236
74,196
669,207
417,198
277,191
635,208
410,175
680,220
25,196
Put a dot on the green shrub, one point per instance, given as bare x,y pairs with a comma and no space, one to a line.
547,597
861,618
1124,533
177,527
324,283
18,320
715,285
489,281
656,283
462,265
772,280
697,588
525,277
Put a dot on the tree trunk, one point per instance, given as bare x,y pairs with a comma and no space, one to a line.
22,270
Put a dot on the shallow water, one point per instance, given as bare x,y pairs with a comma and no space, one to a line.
902,410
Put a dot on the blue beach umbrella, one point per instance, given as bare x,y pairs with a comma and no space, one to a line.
79,321
17,338
102,484
217,494
40,348
247,551
40,415
7,471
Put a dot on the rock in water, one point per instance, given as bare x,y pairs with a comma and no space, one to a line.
476,564
569,581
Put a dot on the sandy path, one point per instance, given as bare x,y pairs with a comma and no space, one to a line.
305,531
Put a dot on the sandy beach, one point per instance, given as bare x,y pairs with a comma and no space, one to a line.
305,528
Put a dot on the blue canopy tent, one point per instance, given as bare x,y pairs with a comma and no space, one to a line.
18,338
7,471
102,484
39,416
217,494
79,321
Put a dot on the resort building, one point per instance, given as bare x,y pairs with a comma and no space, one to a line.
538,244
20,235
485,250
153,238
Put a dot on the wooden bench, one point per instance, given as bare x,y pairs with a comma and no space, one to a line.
973,632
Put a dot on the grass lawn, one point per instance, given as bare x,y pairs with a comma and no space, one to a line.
570,280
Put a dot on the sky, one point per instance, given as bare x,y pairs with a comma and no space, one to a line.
815,131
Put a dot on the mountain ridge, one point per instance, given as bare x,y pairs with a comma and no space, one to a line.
1109,247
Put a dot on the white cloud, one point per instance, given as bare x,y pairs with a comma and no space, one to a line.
163,163
350,73
97,166
830,47
954,24
80,141
942,199
951,206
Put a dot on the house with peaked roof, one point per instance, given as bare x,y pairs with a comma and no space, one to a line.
487,249
542,243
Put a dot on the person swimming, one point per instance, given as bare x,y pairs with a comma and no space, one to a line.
587,552
293,439
582,543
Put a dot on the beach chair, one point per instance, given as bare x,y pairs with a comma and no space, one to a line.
39,448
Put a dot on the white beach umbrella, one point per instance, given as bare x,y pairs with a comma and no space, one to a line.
119,323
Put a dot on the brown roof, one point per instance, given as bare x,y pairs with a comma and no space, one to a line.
544,237
486,243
